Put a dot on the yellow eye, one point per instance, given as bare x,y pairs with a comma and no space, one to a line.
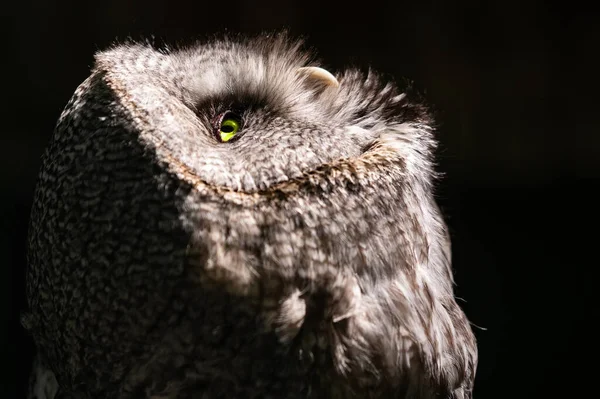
229,127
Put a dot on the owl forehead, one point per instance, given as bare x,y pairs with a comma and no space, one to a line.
245,73
226,71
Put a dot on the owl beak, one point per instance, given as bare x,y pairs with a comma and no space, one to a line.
320,75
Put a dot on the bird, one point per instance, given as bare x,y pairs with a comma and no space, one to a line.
234,219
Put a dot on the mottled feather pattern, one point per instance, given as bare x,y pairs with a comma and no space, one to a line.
305,259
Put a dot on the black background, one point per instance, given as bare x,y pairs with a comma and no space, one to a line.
513,84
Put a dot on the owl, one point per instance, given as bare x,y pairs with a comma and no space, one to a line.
232,220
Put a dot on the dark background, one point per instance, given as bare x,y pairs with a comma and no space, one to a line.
513,84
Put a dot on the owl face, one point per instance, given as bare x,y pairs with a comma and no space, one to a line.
246,116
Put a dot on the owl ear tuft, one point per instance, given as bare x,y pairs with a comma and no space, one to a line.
319,76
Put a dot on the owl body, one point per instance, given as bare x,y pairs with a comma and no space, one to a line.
303,258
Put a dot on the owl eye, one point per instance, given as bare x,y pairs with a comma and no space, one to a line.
228,127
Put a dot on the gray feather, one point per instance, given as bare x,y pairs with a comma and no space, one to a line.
304,259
